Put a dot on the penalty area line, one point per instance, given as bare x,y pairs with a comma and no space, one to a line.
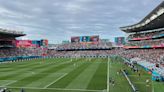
9,83
56,80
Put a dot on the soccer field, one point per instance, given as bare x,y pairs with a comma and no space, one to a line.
70,75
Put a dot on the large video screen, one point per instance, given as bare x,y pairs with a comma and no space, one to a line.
75,39
120,40
85,39
94,38
44,42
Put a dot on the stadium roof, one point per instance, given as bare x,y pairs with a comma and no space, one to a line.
12,33
154,20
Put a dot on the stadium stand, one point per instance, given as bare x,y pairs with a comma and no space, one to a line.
146,41
10,52
17,52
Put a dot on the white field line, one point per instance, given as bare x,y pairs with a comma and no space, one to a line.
59,89
56,80
48,73
12,81
152,86
108,76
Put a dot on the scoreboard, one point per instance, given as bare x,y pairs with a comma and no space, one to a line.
44,42
85,39
75,39
94,38
120,40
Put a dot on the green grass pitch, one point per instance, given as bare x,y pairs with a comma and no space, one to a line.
76,75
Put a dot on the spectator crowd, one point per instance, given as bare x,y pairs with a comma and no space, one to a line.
76,46
147,34
16,52
146,42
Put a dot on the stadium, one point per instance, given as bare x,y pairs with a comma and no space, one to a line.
86,63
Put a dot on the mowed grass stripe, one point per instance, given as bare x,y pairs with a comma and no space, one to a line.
42,65
82,81
158,87
16,68
24,72
33,78
22,64
47,80
64,82
42,82
10,67
17,72
98,81
13,68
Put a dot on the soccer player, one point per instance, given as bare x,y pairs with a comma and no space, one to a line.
22,90
113,82
147,82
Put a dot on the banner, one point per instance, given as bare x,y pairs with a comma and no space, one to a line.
145,38
30,43
146,46
24,43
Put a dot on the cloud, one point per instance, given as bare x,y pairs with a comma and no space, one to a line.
58,20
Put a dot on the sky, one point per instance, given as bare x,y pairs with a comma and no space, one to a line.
58,20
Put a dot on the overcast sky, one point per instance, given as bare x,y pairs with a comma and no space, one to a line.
58,20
